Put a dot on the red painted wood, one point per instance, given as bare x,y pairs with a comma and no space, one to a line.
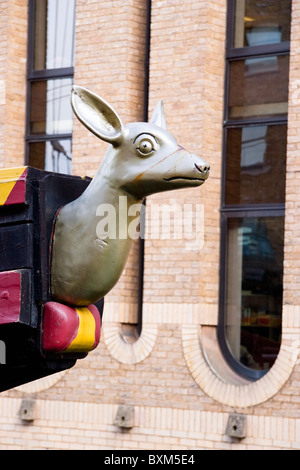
60,326
17,195
10,297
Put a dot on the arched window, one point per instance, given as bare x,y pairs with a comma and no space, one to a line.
50,73
253,194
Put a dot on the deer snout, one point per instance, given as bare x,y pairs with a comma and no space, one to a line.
203,169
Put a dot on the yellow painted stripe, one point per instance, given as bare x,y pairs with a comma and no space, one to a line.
85,338
8,179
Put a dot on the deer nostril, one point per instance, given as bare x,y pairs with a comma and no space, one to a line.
203,168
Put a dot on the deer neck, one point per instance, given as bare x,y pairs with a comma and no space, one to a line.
105,186
85,262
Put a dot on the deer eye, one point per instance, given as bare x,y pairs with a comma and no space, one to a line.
146,146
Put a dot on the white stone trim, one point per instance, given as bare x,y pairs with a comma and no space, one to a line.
41,384
153,315
67,425
129,353
252,393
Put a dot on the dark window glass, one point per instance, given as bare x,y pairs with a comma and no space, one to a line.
51,112
254,289
262,23
50,79
256,165
51,155
54,34
258,87
253,197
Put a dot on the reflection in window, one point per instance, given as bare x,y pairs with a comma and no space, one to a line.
261,66
262,23
50,80
256,165
266,35
52,155
51,112
253,193
58,156
54,34
253,147
254,289
258,87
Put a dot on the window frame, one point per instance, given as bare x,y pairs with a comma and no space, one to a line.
236,365
244,52
35,76
240,210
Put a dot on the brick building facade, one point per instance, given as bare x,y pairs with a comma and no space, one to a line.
173,374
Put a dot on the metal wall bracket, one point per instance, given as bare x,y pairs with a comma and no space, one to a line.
236,426
124,417
27,411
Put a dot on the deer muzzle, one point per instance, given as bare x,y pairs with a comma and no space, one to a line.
187,167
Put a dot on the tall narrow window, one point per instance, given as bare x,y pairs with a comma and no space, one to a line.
254,172
50,78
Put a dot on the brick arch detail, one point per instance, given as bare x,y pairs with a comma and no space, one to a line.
129,353
248,393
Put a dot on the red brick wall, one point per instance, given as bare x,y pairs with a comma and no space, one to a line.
13,52
110,60
292,229
179,400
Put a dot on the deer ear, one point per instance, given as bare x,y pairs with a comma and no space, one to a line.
158,116
97,115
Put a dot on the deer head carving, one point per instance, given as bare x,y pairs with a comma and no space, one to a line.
142,159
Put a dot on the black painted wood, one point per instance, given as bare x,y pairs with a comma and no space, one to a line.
25,244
